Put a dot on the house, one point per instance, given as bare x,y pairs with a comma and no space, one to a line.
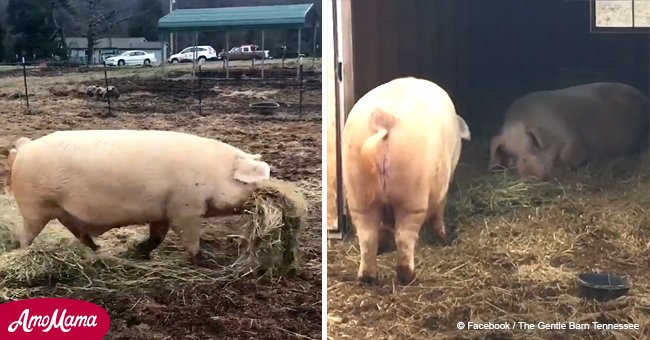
106,47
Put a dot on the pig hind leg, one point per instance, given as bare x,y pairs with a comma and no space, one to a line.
367,227
35,218
76,227
31,228
407,227
157,233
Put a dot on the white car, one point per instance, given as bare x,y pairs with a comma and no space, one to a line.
132,58
203,53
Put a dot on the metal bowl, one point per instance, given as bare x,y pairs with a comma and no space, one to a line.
265,108
602,286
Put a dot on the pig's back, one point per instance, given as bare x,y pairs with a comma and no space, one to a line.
133,172
610,117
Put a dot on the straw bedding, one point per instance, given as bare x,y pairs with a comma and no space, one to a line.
273,218
520,246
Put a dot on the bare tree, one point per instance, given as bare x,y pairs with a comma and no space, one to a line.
99,21
58,30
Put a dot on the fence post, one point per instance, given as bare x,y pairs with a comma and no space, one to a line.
200,96
108,93
25,79
300,88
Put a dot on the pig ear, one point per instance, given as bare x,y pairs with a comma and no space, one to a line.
496,152
463,128
11,157
249,170
21,141
535,140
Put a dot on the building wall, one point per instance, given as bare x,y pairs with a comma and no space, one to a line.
428,41
485,53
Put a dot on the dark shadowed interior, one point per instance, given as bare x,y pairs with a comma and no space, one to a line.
486,53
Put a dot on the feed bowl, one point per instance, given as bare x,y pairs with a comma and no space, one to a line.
265,108
602,286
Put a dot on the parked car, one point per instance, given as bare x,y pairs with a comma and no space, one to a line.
186,55
244,52
281,51
132,58
107,55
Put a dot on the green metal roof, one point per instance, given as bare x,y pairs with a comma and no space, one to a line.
237,18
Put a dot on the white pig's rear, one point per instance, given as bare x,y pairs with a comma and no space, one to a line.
402,142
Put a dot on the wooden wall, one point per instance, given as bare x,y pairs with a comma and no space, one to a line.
396,38
485,53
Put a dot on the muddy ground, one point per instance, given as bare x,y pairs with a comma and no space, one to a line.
150,99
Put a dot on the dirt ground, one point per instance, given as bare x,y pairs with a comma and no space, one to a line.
266,309
518,250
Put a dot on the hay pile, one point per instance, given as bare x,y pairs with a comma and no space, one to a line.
277,212
502,192
56,259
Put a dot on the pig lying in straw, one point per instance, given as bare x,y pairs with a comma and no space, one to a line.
570,127
93,181
401,144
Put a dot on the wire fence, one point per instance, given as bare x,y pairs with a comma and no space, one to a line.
269,91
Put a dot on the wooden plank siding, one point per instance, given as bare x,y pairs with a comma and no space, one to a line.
396,38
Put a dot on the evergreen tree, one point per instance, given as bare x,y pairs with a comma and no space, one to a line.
2,43
145,20
31,23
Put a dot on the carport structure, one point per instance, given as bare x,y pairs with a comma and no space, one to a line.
256,18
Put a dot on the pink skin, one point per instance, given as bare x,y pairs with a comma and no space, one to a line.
531,165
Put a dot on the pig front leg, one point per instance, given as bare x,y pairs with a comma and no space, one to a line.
188,229
437,223
573,154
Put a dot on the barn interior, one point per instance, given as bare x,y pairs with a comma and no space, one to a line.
486,53
515,241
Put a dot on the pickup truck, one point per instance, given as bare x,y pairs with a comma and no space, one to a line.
244,52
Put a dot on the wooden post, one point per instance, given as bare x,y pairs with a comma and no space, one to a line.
299,41
313,46
227,49
263,59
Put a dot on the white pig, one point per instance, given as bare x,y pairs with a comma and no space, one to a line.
96,180
401,144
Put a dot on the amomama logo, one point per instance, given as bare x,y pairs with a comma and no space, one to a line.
52,318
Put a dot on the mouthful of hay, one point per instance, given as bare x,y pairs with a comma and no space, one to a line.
277,211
